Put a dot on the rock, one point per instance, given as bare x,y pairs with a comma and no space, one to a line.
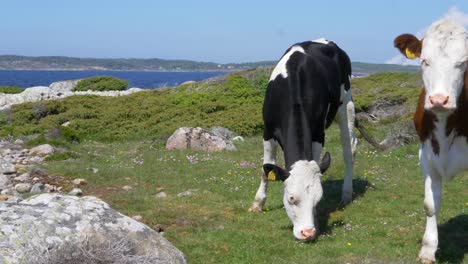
238,138
66,124
55,228
3,197
127,188
23,177
94,170
199,139
137,217
37,188
42,150
23,187
79,182
161,195
76,192
19,142
187,193
7,167
222,132
50,188
5,181
64,86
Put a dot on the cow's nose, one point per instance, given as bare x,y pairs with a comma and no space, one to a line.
307,233
438,101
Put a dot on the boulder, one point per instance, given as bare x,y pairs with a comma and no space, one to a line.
222,132
55,228
42,150
64,86
199,139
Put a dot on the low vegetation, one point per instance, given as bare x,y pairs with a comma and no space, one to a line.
11,89
119,142
101,83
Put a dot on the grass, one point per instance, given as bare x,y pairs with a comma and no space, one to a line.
384,224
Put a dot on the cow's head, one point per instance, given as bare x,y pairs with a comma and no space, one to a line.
301,193
444,54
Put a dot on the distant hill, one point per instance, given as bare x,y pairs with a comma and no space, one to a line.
14,62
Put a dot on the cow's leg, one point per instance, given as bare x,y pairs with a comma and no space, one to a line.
269,156
345,118
432,199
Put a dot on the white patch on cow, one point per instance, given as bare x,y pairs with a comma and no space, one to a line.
280,68
269,156
321,40
302,192
443,59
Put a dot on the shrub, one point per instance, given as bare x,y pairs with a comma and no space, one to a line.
11,89
101,83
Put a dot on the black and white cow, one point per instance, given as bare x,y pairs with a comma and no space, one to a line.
308,89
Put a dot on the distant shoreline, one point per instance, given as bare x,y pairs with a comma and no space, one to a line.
109,70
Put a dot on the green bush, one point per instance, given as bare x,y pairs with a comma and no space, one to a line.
101,83
11,89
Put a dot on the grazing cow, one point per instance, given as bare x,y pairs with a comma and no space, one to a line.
308,88
441,117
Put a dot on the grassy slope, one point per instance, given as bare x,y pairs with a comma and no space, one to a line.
384,224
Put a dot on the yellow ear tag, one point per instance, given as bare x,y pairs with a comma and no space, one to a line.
271,176
409,54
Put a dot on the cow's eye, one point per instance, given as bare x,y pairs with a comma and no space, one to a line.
292,200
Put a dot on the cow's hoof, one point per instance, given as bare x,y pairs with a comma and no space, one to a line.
426,257
425,261
255,208
346,198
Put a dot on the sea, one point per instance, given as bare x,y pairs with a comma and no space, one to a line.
145,79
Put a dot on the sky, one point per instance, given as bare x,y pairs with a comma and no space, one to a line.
214,30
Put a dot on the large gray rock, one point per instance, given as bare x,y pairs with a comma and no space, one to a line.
64,86
55,228
199,139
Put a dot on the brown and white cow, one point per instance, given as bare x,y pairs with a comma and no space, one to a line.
441,117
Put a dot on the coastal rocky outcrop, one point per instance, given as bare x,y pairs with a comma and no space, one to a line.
56,90
58,228
199,139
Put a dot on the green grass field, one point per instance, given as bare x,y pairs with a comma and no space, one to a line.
384,224
124,139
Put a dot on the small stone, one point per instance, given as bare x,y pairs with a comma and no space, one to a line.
3,197
79,182
37,188
5,180
23,187
66,124
76,192
161,195
7,167
187,193
19,142
160,189
94,170
50,188
36,179
127,188
23,177
137,217
238,138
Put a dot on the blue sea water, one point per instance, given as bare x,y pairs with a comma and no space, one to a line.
146,80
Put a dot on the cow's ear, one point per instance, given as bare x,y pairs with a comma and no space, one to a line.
325,162
409,45
274,173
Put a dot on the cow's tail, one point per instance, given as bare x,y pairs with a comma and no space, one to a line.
369,138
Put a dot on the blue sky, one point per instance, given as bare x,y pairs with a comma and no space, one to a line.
209,30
